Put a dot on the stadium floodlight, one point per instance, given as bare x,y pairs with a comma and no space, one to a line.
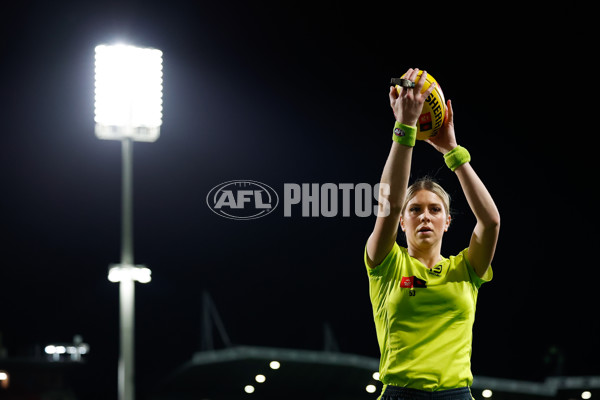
74,350
128,93
128,107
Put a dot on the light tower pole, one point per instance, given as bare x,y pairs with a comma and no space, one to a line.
128,107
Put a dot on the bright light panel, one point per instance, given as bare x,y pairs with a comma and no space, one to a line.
128,92
118,273
52,349
58,349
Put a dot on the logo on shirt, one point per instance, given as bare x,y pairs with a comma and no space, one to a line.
437,270
412,282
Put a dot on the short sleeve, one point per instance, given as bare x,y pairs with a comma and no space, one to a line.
381,277
477,281
383,267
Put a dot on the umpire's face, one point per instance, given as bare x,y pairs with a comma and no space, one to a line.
424,220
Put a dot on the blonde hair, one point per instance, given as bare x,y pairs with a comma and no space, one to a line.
429,184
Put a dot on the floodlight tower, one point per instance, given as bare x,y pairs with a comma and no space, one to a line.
128,107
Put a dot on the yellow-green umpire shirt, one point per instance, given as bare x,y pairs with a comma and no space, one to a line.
424,319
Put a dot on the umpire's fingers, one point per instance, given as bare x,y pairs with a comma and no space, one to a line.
393,95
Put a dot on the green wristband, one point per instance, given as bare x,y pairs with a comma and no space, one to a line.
457,157
404,134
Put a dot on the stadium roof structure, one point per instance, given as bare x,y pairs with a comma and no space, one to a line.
265,373
257,373
272,373
226,374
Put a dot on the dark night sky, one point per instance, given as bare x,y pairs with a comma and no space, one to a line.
281,94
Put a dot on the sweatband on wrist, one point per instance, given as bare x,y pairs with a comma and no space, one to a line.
404,134
457,157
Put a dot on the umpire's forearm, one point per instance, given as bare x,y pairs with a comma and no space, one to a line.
396,173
